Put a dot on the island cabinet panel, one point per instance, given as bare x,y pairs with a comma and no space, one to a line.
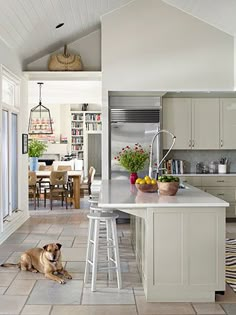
168,249
203,254
186,259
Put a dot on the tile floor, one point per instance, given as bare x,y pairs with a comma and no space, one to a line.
29,293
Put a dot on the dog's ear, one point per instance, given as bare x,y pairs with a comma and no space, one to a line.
45,247
59,245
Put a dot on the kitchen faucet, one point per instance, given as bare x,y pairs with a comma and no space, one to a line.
151,151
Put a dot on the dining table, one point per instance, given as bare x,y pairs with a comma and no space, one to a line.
76,176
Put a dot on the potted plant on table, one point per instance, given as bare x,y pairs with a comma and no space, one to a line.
133,159
35,150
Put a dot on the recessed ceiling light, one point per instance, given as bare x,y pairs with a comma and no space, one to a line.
59,25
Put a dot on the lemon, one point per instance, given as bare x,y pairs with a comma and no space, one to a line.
148,181
153,181
147,178
138,180
142,182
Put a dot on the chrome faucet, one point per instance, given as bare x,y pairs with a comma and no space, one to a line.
151,151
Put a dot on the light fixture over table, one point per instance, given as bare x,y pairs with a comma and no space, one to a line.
40,118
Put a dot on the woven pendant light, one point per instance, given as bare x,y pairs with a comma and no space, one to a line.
40,121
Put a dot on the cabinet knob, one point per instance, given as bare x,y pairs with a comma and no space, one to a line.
221,143
220,181
193,142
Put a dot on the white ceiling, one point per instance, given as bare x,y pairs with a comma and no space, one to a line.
28,26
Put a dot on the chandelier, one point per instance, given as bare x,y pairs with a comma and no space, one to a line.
40,121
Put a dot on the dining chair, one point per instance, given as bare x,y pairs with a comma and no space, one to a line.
33,187
86,185
58,187
64,168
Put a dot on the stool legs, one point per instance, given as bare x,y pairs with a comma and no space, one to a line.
95,255
116,252
111,246
109,250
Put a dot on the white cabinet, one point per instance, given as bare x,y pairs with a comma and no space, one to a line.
227,123
177,119
205,123
195,122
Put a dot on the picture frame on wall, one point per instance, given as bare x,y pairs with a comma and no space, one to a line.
24,143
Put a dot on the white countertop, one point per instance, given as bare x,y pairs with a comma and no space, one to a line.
208,174
121,194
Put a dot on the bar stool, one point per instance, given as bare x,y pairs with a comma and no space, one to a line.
111,245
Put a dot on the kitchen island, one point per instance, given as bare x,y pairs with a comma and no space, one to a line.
179,240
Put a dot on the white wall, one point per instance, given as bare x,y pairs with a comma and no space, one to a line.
13,63
88,47
151,46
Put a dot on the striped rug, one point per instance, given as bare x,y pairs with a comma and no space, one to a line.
230,268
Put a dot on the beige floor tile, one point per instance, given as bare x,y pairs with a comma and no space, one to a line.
208,308
95,310
145,308
2,290
74,254
11,304
107,296
20,287
7,277
27,275
36,310
228,297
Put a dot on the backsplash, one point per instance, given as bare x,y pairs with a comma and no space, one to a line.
192,157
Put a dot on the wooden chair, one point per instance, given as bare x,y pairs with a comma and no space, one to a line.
58,187
33,187
86,185
64,168
44,182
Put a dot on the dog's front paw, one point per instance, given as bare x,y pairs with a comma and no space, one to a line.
61,281
68,276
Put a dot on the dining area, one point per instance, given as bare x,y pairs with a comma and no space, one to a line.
58,185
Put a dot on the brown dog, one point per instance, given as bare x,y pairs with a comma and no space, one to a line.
46,260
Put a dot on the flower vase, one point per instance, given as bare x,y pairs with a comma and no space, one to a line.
133,177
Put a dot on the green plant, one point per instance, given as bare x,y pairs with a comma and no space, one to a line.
133,159
36,148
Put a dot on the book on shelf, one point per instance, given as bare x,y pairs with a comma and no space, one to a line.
174,166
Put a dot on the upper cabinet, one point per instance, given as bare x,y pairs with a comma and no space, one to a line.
205,123
227,123
194,122
177,119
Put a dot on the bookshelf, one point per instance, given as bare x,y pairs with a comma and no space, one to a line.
82,124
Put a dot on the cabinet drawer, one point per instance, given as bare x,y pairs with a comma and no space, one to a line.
191,180
222,193
219,181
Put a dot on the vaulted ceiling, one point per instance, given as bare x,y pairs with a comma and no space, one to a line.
28,26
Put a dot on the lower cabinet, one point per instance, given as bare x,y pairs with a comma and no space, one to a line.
223,187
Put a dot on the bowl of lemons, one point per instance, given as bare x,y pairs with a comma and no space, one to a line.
168,185
146,184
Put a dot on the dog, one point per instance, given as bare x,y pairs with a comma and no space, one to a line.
46,260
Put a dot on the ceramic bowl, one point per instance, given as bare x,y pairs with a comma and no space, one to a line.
168,188
147,187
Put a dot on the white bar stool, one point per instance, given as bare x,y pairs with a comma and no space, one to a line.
111,245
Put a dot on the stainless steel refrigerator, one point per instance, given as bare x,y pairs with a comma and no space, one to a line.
133,120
